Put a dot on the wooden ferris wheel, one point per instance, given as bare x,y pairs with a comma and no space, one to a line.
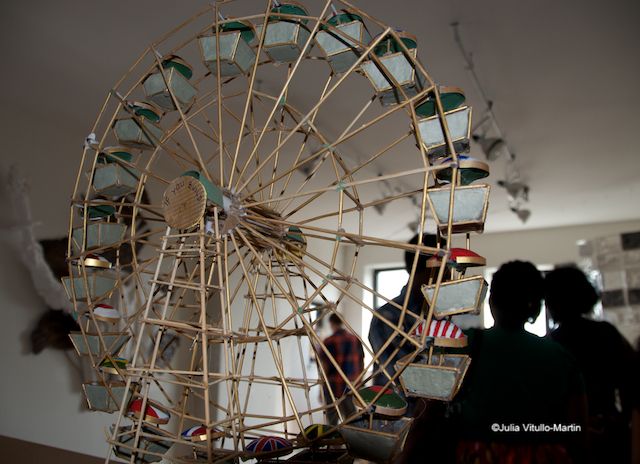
218,217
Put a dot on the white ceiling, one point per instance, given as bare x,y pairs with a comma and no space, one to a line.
563,76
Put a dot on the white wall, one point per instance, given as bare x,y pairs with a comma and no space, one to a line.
40,395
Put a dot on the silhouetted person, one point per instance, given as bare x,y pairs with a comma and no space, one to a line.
347,351
516,379
379,332
603,355
635,399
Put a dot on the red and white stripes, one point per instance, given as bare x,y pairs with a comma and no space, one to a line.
445,333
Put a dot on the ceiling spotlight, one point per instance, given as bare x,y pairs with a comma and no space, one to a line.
492,147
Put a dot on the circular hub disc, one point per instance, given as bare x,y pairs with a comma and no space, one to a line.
184,202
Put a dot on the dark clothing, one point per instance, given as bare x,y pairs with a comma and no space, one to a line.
515,378
379,333
347,350
477,452
345,405
605,358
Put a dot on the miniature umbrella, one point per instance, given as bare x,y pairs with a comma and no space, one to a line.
444,333
112,365
320,433
461,259
153,414
270,445
388,404
106,313
199,433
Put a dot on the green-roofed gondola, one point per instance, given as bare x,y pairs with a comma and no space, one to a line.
342,39
377,440
396,70
432,135
470,203
99,282
177,73
100,234
439,378
285,36
104,397
236,55
113,176
98,345
140,128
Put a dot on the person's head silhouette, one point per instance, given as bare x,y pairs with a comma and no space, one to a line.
335,322
422,271
516,294
568,294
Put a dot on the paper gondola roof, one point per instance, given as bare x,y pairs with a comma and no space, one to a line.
390,45
289,8
389,403
98,212
319,432
470,169
344,16
112,365
459,258
106,313
153,413
269,445
462,257
450,97
444,333
115,154
94,260
246,29
180,65
199,433
146,110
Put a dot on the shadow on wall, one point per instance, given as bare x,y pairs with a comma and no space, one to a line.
45,330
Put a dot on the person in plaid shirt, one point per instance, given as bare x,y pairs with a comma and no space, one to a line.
347,351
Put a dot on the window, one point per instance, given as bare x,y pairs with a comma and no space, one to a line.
386,281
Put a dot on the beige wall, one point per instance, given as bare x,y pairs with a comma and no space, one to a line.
40,395
544,246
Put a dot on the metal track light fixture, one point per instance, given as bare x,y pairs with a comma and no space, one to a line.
489,136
